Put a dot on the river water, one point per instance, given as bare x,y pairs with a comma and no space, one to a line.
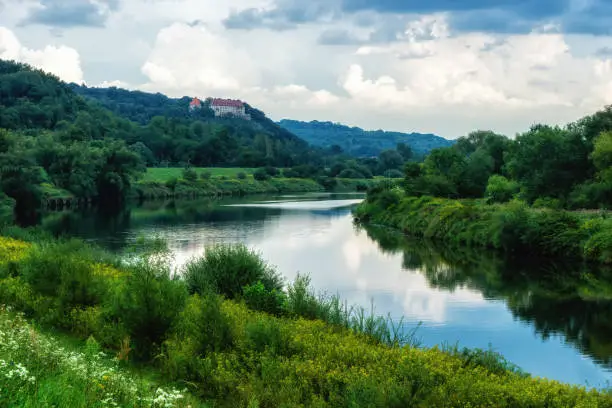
554,327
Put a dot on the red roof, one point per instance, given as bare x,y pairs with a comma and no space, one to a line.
226,102
195,102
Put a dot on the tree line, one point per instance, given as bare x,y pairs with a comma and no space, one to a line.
563,167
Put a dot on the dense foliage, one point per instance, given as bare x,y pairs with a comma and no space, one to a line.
361,143
230,355
548,166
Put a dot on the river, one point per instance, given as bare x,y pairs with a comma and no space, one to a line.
554,327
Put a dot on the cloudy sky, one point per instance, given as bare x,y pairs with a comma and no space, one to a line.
443,66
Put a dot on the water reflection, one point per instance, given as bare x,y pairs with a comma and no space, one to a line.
554,297
550,326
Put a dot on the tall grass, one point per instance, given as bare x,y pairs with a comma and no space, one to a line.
302,301
237,272
314,352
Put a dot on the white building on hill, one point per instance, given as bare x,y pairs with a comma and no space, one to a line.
227,107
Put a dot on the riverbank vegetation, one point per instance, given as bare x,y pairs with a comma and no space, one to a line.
514,227
244,342
222,186
189,182
546,192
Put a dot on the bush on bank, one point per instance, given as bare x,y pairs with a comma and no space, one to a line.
512,227
313,352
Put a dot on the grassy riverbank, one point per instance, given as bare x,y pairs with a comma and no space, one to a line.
164,174
233,335
219,186
512,227
170,182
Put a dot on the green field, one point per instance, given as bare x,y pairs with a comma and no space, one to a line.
163,174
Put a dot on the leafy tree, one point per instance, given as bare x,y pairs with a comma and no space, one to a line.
20,177
119,167
548,162
500,189
405,151
390,160
602,155
478,168
144,152
446,162
261,174
412,170
272,171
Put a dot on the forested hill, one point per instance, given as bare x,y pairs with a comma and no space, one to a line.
52,139
361,143
161,129
142,107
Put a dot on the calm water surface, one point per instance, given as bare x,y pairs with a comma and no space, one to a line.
548,327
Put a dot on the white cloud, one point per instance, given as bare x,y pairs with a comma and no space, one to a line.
431,79
62,61
603,71
110,84
196,60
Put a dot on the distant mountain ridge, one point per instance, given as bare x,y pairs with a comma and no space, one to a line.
359,142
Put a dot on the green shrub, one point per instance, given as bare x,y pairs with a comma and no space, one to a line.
72,277
148,302
172,183
351,174
548,202
290,173
267,335
190,174
39,370
241,175
7,205
261,175
205,175
272,171
598,247
388,198
301,301
257,297
200,329
591,195
500,189
227,269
